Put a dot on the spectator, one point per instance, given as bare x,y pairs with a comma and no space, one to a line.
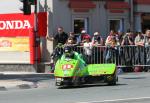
139,54
147,49
84,36
111,49
87,46
111,39
71,43
98,42
60,37
147,37
127,51
127,39
97,39
73,36
120,36
139,39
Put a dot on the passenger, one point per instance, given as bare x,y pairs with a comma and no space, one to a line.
57,53
87,47
98,42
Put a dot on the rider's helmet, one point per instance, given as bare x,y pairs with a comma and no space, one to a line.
68,51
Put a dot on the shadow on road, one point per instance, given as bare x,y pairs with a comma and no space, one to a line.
35,81
89,86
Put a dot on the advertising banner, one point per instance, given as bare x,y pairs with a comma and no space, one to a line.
16,24
17,35
14,44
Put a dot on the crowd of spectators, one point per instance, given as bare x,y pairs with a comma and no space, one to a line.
118,47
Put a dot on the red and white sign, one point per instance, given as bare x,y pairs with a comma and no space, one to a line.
67,66
16,25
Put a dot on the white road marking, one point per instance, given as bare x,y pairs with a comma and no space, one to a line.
117,100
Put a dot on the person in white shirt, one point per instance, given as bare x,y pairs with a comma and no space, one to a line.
98,42
87,47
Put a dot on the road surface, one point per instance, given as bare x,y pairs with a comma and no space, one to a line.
131,88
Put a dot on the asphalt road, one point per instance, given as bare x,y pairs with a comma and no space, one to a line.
131,88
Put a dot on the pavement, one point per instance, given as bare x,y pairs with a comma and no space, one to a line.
23,80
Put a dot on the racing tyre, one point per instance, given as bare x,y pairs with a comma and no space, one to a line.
113,81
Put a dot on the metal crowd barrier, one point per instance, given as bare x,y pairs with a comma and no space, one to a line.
122,56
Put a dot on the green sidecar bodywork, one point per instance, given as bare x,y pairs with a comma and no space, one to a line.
74,71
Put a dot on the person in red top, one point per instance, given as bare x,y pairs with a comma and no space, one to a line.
84,35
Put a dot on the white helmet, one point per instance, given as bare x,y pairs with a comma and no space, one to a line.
96,33
83,31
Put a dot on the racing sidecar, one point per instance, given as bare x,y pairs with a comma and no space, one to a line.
75,71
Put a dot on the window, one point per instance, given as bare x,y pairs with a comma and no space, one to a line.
116,24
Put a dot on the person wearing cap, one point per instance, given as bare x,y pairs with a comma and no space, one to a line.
84,35
87,47
97,41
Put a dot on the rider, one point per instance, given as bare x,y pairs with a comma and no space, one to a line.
69,53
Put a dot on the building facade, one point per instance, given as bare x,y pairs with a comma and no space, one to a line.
74,15
99,15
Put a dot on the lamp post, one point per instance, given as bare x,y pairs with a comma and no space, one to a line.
37,38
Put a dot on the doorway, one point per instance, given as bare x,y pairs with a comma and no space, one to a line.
145,22
80,24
